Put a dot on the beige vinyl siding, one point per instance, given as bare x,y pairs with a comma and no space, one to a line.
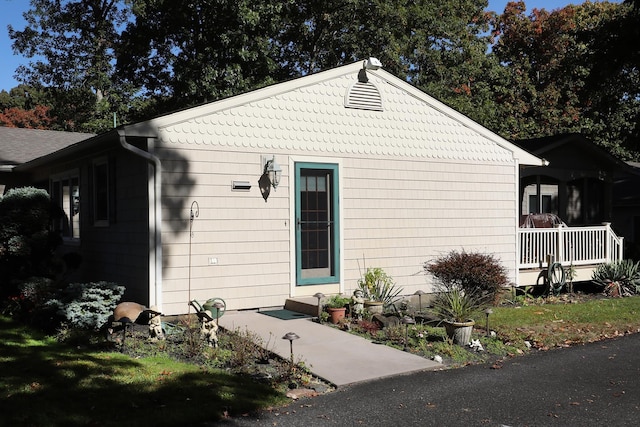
249,238
397,220
422,209
117,252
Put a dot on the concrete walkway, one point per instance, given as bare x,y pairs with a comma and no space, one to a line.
338,357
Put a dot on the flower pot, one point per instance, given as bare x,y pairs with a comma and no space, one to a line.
459,332
373,307
336,314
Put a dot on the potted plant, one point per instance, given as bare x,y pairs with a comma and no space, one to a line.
379,289
456,307
337,307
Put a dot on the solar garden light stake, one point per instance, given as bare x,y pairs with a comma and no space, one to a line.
319,295
406,321
291,336
218,305
487,312
419,293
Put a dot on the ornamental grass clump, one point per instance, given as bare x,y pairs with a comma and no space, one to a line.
457,305
618,278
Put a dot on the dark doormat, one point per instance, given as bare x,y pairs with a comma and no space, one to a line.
285,314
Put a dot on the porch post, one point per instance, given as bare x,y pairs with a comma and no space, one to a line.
538,195
607,241
559,244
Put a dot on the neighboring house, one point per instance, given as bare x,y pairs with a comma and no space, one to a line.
18,146
577,184
583,184
374,173
626,207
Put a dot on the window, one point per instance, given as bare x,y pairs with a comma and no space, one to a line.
101,193
65,192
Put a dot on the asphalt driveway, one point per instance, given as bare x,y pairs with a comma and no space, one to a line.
592,385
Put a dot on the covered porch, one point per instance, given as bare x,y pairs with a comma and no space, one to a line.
584,248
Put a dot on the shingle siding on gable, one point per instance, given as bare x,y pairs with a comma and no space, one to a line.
314,118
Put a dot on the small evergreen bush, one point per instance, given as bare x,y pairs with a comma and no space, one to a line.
87,305
26,243
472,272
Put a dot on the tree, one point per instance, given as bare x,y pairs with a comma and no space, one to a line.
447,54
440,46
549,59
321,35
189,53
72,46
36,118
616,77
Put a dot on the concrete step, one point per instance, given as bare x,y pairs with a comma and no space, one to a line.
308,305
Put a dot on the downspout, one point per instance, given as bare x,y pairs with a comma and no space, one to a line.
516,275
155,223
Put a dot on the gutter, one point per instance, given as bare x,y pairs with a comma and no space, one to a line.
155,223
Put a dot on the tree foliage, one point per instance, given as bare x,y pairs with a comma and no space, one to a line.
203,50
573,69
26,244
36,118
71,45
549,87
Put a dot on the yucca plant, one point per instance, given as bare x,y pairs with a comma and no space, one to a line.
377,285
457,305
618,278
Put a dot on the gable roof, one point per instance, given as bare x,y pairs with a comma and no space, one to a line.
452,128
19,145
545,147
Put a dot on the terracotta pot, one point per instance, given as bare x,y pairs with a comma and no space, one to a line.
336,314
459,332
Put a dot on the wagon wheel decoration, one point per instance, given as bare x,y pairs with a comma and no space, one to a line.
556,278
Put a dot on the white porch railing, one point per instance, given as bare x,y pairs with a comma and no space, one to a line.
569,245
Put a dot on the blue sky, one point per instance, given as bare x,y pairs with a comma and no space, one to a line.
11,13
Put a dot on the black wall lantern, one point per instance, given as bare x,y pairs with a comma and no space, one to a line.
271,174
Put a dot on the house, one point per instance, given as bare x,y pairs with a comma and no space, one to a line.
286,191
18,146
583,184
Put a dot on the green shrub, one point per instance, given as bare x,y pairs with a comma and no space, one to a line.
471,272
87,305
26,243
337,301
618,278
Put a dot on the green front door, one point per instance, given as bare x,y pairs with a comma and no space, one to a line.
317,223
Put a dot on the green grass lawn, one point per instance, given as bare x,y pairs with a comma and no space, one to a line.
44,383
566,322
544,323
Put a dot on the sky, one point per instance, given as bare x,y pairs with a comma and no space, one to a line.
11,14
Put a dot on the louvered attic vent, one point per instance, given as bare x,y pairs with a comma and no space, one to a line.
363,96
